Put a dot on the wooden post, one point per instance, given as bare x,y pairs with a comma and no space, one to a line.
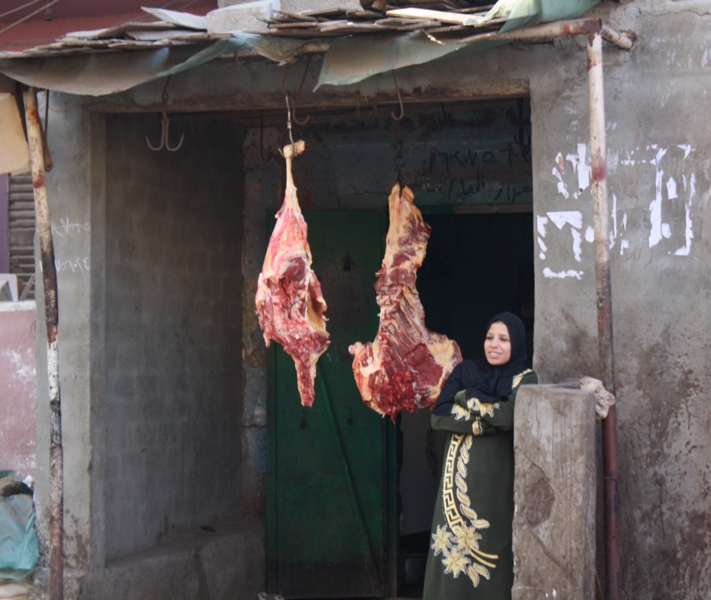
51,310
601,218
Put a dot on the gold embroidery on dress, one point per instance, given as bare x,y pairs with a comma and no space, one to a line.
484,408
460,413
519,377
458,541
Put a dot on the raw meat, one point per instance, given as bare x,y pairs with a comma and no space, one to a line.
289,301
407,364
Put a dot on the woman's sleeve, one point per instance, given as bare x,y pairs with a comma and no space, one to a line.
496,412
461,421
454,383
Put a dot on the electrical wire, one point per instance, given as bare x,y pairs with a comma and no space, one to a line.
28,16
9,12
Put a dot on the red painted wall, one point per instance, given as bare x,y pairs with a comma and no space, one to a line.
18,394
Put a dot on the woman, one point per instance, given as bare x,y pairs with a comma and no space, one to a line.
470,549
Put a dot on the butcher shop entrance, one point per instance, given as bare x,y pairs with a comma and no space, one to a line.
350,494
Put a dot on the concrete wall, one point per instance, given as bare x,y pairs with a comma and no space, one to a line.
659,181
173,331
148,254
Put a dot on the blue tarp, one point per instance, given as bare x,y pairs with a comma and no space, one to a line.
19,548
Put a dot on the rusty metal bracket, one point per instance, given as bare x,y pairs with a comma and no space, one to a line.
165,126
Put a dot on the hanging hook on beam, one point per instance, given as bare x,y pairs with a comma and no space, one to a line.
288,125
298,95
399,99
165,126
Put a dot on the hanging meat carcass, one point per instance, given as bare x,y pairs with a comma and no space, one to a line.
289,301
407,364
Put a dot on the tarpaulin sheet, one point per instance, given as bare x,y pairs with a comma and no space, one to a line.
526,13
349,60
356,58
105,73
353,59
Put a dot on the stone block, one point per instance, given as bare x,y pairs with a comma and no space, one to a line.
554,493
247,16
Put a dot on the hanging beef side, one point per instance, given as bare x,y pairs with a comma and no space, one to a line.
290,305
407,364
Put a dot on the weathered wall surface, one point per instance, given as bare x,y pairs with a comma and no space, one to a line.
18,393
173,328
659,181
70,213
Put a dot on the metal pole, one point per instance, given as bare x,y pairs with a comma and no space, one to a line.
604,307
51,311
621,39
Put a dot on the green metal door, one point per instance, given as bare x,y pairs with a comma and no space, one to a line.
331,506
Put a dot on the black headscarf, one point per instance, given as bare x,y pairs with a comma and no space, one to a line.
497,380
487,382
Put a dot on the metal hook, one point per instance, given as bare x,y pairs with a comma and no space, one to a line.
399,99
165,126
288,125
165,136
298,95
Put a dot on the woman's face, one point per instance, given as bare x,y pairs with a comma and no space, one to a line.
497,345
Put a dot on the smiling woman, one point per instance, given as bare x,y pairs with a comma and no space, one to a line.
497,344
470,553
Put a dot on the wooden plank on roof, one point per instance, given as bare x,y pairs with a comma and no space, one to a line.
182,34
436,15
117,30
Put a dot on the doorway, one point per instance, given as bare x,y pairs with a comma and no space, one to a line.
477,265
469,167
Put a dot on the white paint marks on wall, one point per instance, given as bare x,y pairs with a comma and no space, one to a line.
689,234
541,223
560,219
655,208
581,167
686,148
590,235
577,239
615,233
671,189
547,272
574,218
544,249
562,188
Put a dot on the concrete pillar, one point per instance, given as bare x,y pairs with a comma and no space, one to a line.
554,492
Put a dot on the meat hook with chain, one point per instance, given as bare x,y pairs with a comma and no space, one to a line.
165,126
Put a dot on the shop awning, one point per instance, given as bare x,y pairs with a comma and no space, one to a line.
110,61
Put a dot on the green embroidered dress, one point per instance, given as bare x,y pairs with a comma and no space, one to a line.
470,552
